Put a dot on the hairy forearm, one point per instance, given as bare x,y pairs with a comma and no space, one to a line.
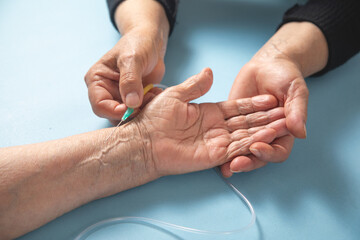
301,42
40,182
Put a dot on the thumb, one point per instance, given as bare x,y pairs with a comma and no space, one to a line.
194,87
130,83
296,108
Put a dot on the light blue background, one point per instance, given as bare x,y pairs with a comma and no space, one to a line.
46,47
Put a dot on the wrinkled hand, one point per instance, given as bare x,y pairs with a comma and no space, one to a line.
274,74
185,137
119,76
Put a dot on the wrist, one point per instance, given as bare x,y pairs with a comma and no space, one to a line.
302,43
147,15
126,159
141,142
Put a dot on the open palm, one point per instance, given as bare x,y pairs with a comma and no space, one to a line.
188,137
282,79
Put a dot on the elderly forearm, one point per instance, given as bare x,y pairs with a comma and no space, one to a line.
40,182
301,42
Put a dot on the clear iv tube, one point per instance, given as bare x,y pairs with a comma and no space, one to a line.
158,85
157,223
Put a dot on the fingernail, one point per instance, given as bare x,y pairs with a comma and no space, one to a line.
235,171
132,100
305,130
261,98
208,72
255,152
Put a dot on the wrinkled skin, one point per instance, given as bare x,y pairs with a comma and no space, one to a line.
275,74
135,61
185,137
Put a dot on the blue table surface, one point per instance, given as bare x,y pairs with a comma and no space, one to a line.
46,47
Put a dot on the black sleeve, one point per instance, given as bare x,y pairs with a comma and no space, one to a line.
339,20
170,7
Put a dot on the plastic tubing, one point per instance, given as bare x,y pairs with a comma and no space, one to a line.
157,223
158,85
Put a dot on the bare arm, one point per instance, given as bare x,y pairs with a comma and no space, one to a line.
40,182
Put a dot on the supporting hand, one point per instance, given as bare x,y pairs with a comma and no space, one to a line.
294,52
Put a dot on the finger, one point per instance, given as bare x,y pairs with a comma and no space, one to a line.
263,152
245,164
225,170
110,109
296,108
106,85
241,147
103,103
194,87
245,106
279,126
278,151
100,71
130,83
103,91
255,119
243,85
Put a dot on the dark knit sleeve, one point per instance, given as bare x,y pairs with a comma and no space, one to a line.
170,7
339,20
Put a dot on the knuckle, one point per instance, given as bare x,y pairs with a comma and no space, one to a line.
193,84
93,75
298,87
87,77
303,90
248,121
250,66
283,156
306,92
96,109
257,119
99,109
